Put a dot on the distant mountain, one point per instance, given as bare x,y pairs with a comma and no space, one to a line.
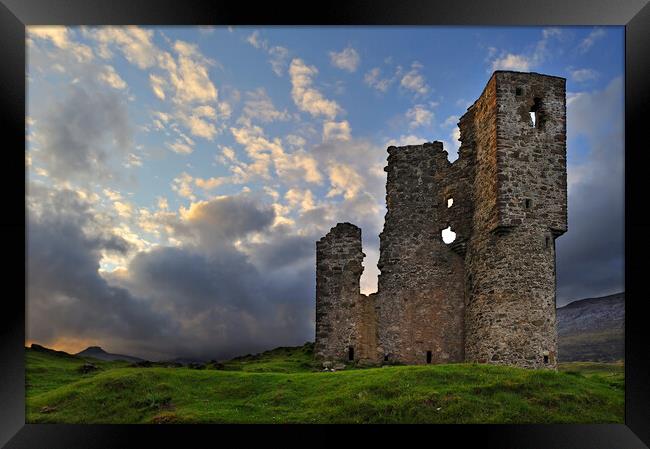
98,353
39,348
592,329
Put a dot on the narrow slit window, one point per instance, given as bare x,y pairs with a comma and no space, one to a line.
535,112
450,202
548,240
527,203
429,356
350,353
545,359
518,91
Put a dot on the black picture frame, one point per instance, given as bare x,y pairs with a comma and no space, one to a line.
633,14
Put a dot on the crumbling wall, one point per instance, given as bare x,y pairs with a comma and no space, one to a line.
345,322
420,288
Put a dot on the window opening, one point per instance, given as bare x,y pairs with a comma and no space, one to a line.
448,236
534,112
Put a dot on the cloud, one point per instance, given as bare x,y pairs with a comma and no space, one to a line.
512,62
303,198
82,130
194,97
307,98
524,62
590,40
111,77
182,185
419,116
590,256
345,181
582,75
414,81
58,35
259,106
225,218
206,297
189,75
133,42
61,37
373,79
180,147
66,294
210,183
158,85
347,59
255,41
266,153
279,57
336,131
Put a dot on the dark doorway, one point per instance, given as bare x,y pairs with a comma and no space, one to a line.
545,359
429,355
386,358
350,353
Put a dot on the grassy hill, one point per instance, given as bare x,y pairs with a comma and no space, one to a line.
285,386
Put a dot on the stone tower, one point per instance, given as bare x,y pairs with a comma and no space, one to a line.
518,130
345,322
487,297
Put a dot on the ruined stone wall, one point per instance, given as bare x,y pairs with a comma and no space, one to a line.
487,297
520,208
420,288
344,317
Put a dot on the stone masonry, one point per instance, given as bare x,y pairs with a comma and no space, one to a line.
487,297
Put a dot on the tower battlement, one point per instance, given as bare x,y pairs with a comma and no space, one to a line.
489,296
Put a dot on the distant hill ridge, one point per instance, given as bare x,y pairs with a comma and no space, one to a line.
592,329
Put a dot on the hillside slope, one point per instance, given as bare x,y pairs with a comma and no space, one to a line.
458,393
592,329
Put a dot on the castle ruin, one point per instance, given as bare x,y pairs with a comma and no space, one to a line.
487,297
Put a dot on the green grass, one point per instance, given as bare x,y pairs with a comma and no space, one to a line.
282,386
47,371
278,360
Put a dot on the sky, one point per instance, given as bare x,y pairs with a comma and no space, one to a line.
179,177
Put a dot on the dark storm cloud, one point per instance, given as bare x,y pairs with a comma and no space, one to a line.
205,298
65,290
222,220
590,256
81,131
284,250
